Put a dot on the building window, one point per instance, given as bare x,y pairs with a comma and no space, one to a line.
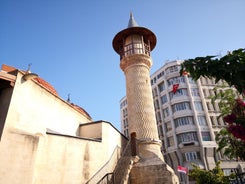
164,99
154,92
191,156
160,75
172,69
206,93
160,130
170,141
156,104
168,126
125,122
198,106
165,112
210,107
158,117
176,80
195,92
124,103
181,106
188,120
202,120
125,112
206,136
187,137
191,80
178,93
153,81
220,121
126,132
161,87
213,120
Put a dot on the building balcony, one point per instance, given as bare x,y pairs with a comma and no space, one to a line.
209,144
182,113
185,128
188,143
178,99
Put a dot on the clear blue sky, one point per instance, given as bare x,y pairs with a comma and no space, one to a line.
69,42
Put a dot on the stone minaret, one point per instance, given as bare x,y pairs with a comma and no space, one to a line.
134,45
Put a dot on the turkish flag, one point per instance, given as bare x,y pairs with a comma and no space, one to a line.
185,73
182,169
175,88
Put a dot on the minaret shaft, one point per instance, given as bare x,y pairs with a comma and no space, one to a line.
141,112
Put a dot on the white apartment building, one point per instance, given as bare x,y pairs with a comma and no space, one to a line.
187,120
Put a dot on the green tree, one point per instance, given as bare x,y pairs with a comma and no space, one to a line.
214,176
232,147
230,68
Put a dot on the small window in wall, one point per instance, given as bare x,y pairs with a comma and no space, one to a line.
198,105
172,69
160,75
206,136
182,121
161,87
164,99
165,112
126,132
158,117
187,137
181,106
170,141
154,92
156,104
191,156
202,120
195,92
160,131
168,126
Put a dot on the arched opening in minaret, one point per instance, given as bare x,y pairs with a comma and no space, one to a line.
134,44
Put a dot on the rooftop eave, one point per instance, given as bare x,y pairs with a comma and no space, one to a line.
8,77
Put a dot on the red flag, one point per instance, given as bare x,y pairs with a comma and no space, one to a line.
185,73
182,169
175,88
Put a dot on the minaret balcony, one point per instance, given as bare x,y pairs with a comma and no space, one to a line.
135,48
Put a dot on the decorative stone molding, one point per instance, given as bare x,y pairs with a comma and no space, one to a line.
137,59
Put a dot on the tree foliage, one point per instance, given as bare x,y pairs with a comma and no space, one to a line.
230,68
214,176
232,147
232,111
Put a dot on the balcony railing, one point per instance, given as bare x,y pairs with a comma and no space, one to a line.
135,48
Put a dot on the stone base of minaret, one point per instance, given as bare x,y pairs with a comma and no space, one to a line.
151,167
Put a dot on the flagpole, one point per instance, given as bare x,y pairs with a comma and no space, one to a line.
187,176
187,179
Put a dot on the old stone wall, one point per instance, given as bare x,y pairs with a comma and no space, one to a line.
42,141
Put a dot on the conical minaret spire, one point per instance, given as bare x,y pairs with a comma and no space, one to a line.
134,45
132,22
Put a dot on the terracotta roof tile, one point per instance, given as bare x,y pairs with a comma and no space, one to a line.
80,109
46,85
8,69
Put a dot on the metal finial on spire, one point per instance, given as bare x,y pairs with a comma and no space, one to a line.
69,98
28,75
132,22
29,68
